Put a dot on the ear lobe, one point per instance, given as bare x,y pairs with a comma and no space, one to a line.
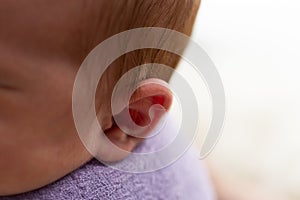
140,104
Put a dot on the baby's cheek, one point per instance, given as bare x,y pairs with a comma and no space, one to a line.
37,138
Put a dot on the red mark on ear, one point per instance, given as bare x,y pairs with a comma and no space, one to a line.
158,100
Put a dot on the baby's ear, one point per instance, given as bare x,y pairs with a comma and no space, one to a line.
146,97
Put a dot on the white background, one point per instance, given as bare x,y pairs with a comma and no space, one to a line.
255,44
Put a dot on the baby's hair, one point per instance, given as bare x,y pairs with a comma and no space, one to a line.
116,16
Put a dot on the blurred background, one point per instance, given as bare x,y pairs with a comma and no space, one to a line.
255,45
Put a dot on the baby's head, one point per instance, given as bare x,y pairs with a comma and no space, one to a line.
43,43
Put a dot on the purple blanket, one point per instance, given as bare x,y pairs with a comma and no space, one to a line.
185,179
